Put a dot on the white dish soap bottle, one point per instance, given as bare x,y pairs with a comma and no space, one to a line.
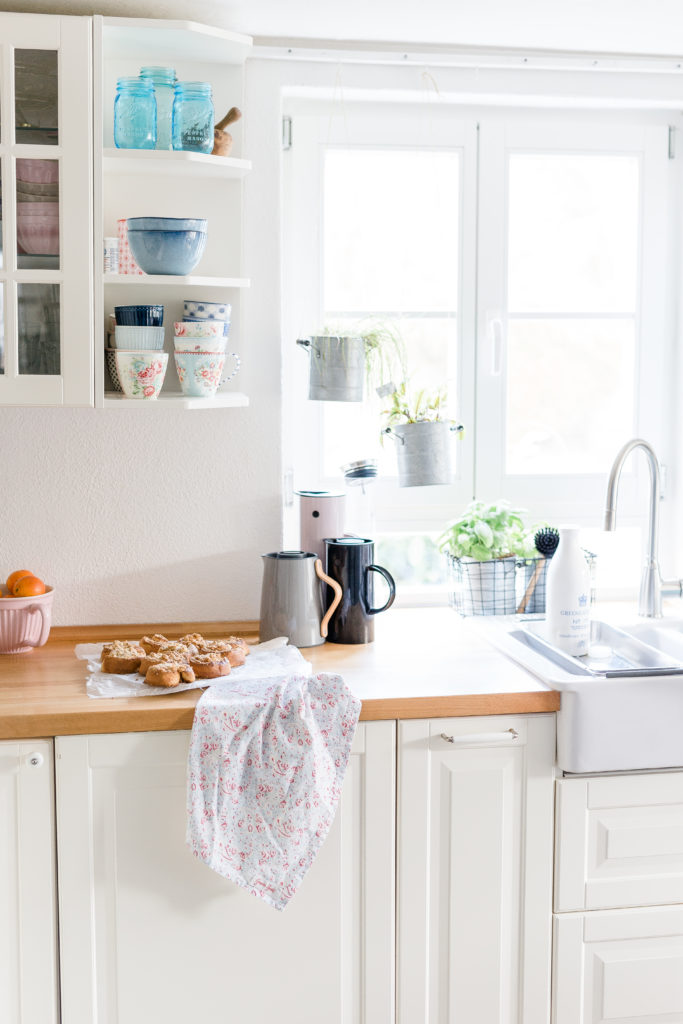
567,596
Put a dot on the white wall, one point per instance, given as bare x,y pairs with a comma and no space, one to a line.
154,515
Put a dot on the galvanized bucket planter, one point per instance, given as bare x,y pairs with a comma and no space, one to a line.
337,368
424,452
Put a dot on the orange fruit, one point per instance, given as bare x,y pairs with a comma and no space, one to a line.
28,586
16,575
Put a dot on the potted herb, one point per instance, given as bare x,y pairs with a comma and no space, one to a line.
423,434
341,364
483,546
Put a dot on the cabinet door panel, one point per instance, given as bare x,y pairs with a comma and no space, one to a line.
620,842
46,271
475,845
171,940
619,967
28,903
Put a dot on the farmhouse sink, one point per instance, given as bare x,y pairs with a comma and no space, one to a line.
622,705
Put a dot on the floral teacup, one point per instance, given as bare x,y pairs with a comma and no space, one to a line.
200,373
141,373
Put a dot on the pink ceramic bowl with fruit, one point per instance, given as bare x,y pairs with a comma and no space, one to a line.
25,622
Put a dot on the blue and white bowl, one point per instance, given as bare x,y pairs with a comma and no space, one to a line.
199,310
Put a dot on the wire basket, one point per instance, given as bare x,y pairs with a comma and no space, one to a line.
503,586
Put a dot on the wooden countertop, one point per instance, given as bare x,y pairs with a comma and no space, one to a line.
423,663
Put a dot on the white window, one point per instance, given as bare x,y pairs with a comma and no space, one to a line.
525,259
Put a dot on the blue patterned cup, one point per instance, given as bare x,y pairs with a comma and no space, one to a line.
201,373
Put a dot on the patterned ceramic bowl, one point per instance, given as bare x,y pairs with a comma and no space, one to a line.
141,373
183,344
221,324
110,356
201,373
139,316
198,331
206,310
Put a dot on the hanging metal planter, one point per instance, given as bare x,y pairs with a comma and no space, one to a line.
423,450
337,368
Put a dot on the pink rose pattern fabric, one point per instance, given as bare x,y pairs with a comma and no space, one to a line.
265,770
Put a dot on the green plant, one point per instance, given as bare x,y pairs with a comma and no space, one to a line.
420,407
487,531
385,352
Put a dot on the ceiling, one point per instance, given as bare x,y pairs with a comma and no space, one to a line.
604,26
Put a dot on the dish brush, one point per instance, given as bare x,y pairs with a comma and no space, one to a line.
546,541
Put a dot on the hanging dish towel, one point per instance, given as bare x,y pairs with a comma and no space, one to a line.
265,770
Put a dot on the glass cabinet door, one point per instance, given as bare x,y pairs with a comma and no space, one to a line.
46,209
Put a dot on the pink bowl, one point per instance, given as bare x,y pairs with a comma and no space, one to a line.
41,171
38,236
25,622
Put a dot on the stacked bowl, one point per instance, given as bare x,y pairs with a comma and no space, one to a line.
38,207
136,362
200,345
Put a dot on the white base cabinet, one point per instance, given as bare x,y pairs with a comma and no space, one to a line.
618,946
619,967
28,905
475,829
149,934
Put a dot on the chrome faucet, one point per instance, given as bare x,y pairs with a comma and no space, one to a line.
651,585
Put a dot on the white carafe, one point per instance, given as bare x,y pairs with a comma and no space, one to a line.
567,600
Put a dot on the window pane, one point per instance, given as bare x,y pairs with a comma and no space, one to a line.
570,401
573,233
37,214
38,334
391,227
352,430
36,97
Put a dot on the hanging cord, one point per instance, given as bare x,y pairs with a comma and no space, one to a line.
338,97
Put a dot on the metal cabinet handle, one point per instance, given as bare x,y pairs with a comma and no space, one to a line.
509,736
36,759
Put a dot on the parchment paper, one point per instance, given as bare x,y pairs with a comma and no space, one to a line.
272,658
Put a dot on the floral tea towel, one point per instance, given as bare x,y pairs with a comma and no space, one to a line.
265,770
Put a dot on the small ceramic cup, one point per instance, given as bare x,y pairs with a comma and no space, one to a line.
200,373
207,310
209,329
141,373
183,344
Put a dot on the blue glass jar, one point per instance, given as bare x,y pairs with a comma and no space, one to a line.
193,117
164,87
135,114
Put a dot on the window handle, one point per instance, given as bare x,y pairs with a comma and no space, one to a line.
496,335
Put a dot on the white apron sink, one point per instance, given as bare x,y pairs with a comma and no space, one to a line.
622,708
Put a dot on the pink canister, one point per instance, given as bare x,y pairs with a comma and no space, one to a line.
127,264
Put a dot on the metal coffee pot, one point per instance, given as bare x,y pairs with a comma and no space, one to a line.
291,598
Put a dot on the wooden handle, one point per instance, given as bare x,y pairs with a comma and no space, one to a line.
531,586
234,114
337,597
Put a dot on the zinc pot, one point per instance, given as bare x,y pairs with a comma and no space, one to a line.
337,368
424,452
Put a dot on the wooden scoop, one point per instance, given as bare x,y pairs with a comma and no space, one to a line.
222,140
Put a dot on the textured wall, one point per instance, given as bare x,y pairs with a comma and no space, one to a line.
141,515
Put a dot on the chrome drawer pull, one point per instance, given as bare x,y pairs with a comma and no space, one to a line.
509,736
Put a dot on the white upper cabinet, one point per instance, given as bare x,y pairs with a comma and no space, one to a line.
46,276
168,183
